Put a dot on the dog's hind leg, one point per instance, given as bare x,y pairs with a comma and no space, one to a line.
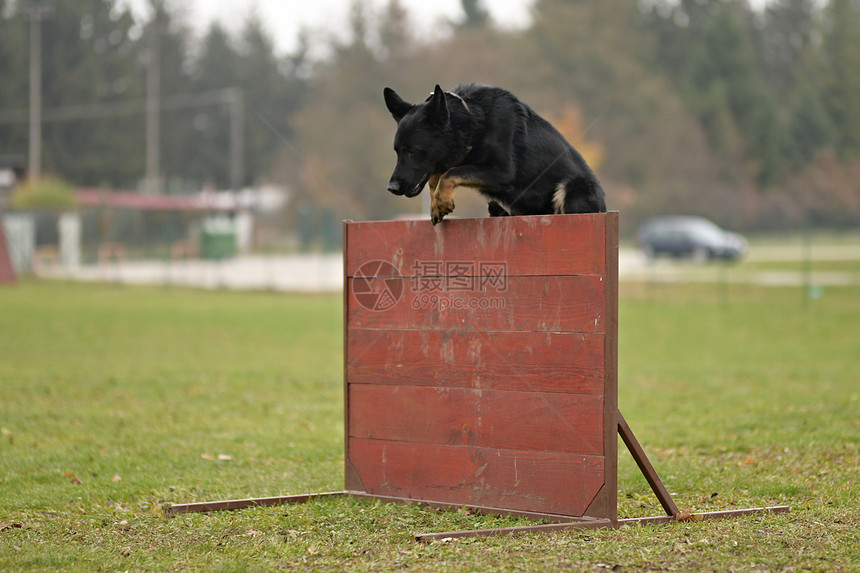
559,198
579,196
497,210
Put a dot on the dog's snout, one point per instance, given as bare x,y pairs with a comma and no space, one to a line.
394,187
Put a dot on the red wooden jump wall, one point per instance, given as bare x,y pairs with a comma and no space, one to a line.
480,362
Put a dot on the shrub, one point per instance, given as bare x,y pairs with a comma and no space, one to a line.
46,193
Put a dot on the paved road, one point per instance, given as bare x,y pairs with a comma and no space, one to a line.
324,273
633,266
299,273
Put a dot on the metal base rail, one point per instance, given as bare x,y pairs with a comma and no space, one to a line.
556,522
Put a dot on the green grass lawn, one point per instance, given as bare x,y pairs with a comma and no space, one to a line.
115,401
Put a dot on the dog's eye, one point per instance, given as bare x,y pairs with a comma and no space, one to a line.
411,151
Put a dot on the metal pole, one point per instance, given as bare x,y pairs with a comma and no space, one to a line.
807,262
35,97
153,111
36,11
237,138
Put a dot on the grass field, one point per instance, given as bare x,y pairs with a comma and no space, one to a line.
115,401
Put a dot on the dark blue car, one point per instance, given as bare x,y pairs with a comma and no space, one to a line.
694,237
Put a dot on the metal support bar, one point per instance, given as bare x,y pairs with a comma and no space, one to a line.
645,466
586,523
234,504
582,523
564,523
483,510
560,522
231,504
704,516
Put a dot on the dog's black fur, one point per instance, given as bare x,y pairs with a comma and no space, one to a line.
486,138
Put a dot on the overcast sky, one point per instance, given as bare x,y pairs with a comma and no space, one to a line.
284,18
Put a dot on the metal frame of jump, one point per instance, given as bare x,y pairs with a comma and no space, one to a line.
481,371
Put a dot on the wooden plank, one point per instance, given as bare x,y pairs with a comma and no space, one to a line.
536,245
546,482
540,362
351,479
533,304
486,418
606,502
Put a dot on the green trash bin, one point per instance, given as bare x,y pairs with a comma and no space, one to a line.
218,239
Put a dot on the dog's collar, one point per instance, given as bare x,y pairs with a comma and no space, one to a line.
466,106
459,97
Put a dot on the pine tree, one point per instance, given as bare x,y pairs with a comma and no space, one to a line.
271,96
216,69
725,89
476,15
841,55
89,69
785,38
14,84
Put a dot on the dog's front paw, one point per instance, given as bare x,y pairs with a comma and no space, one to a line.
441,199
440,208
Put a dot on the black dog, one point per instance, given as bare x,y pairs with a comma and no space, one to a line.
485,138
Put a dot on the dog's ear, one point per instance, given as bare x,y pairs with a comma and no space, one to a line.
438,106
396,105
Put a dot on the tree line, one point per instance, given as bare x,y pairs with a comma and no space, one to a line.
750,117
